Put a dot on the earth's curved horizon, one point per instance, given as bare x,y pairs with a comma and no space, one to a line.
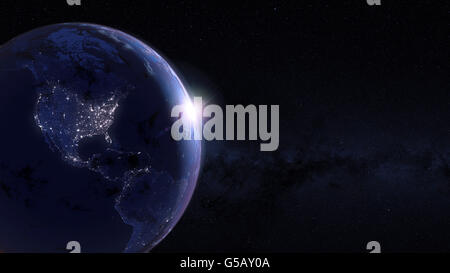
87,155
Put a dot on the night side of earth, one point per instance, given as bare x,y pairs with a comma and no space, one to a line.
86,153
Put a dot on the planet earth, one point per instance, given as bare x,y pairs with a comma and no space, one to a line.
86,154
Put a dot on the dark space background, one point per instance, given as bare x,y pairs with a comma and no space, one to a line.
364,117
